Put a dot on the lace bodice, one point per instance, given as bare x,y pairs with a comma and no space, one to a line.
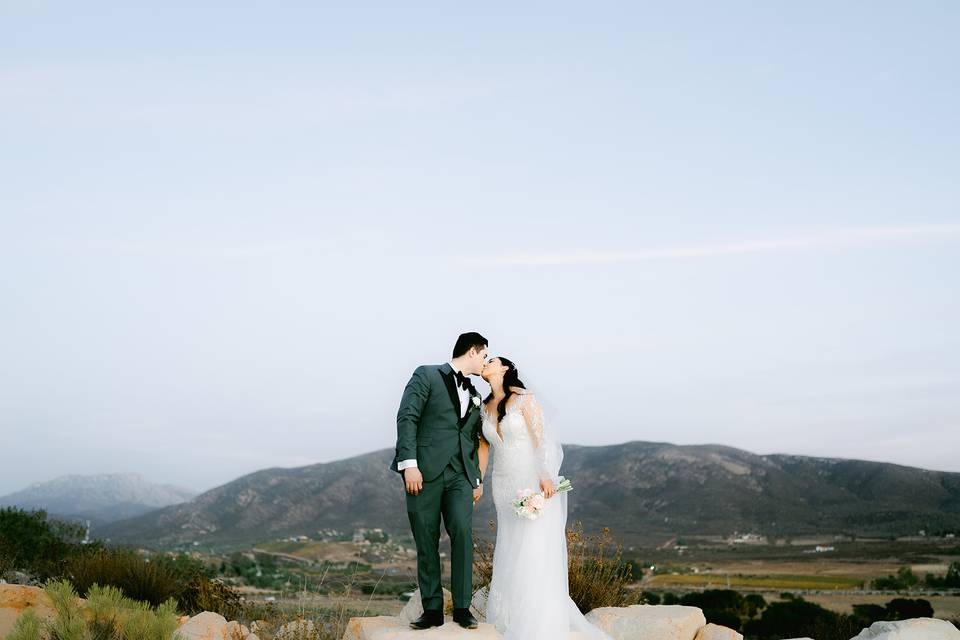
519,461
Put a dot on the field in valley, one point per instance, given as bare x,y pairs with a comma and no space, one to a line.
835,579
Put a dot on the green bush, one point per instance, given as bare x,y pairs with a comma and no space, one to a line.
867,614
754,603
797,617
136,577
28,627
720,606
154,581
950,580
106,615
35,544
905,608
904,579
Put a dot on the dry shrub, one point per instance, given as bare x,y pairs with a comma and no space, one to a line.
204,594
597,575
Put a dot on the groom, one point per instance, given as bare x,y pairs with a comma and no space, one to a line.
438,434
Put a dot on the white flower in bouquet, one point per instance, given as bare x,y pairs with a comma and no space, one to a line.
529,504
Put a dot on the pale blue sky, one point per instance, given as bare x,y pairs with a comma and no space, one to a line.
228,234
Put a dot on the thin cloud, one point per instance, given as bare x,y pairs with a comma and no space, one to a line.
851,237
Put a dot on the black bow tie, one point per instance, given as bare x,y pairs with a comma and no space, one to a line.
463,381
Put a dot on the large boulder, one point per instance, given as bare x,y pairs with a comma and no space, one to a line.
16,599
204,626
912,629
649,622
414,607
716,632
393,628
213,626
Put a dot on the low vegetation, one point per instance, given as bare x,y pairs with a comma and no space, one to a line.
105,615
34,544
48,549
132,595
906,579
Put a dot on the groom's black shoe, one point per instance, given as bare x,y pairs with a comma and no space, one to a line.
430,618
464,618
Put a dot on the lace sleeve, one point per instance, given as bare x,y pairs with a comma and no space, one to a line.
544,445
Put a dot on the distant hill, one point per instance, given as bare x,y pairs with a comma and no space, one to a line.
99,498
638,489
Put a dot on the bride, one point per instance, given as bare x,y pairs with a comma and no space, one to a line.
528,597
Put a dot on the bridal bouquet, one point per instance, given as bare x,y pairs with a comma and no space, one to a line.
529,504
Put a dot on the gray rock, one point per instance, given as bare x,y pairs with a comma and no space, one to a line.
649,622
717,632
912,629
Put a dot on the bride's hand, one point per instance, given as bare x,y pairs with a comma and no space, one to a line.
547,487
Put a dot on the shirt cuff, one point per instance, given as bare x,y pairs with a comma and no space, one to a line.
403,464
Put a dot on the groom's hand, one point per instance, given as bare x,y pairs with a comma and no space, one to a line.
477,492
413,479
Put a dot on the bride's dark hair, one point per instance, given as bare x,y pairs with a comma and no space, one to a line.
511,378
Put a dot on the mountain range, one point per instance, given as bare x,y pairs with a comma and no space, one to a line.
98,498
641,490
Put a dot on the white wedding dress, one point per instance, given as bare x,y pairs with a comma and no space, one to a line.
529,597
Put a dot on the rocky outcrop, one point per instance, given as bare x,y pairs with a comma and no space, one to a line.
716,632
649,622
16,599
639,622
912,629
393,628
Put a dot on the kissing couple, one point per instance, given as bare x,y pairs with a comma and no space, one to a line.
445,434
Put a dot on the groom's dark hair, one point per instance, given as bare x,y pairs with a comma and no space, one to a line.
468,340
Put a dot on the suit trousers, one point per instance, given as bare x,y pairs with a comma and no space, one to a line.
451,496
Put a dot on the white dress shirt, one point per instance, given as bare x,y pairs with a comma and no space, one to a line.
464,401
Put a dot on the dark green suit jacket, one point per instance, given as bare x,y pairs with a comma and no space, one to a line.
429,427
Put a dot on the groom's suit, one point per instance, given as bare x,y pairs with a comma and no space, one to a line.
441,437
